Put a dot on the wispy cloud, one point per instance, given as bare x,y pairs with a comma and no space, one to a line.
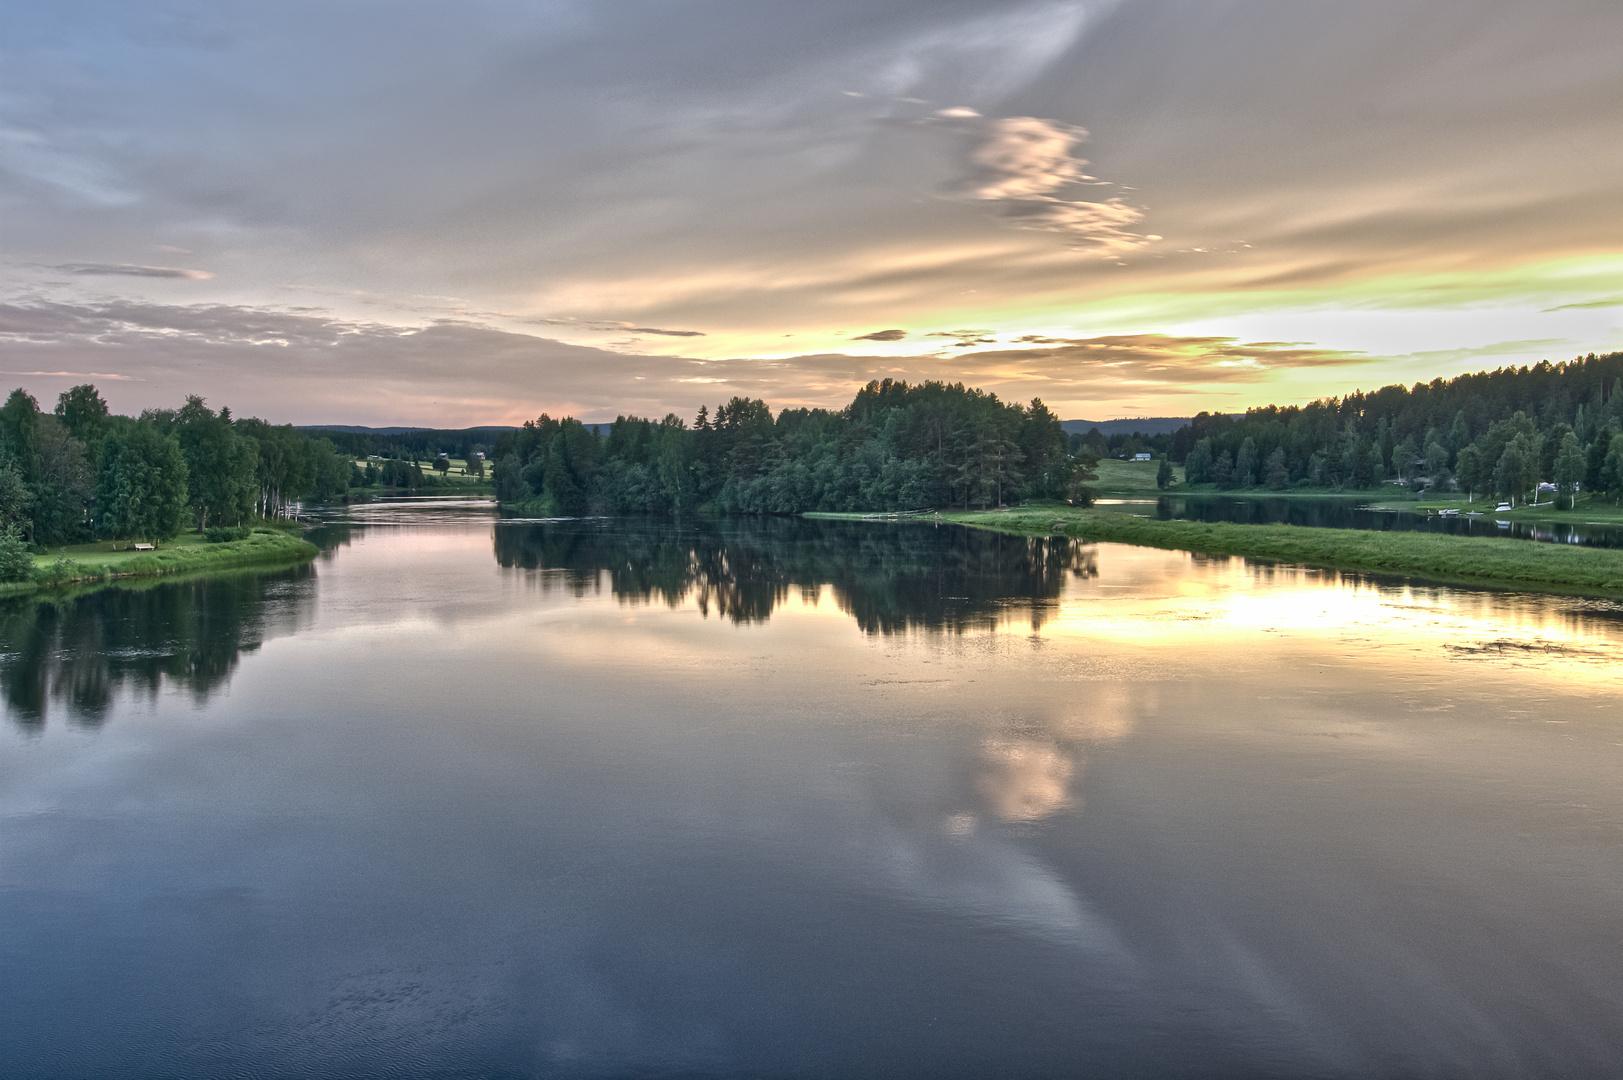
1023,157
1023,162
130,270
882,335
311,367
1552,348
1152,360
75,375
664,184
1606,302
963,339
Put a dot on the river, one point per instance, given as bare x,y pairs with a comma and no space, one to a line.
608,798
1357,513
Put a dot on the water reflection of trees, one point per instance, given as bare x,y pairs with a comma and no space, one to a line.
888,577
77,653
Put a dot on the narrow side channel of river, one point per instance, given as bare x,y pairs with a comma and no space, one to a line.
1355,512
631,797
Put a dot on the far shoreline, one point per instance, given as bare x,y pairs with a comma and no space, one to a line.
1499,562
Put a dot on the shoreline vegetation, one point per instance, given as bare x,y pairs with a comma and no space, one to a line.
98,565
1465,560
89,497
1136,480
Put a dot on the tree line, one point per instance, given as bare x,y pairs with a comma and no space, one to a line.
896,446
81,472
395,459
1500,434
410,444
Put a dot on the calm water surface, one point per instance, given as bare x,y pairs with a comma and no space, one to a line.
611,798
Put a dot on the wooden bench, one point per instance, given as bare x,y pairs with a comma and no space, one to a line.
143,547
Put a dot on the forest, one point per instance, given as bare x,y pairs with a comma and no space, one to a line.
934,445
1498,434
79,472
895,447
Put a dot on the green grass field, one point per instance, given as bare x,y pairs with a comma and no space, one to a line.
1119,479
458,469
1464,559
1588,511
186,554
1136,479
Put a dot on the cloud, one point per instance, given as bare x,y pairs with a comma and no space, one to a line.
963,339
1022,157
130,270
882,335
1150,361
75,375
605,325
1102,223
668,186
699,167
316,368
1022,161
1606,302
1551,348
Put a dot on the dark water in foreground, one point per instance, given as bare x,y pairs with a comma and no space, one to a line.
600,799
1355,513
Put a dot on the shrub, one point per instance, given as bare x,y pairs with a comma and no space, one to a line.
16,561
220,534
61,570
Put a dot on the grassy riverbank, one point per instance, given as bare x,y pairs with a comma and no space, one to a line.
1136,479
1435,556
1588,511
189,554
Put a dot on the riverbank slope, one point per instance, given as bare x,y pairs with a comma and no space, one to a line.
1136,480
1476,560
189,554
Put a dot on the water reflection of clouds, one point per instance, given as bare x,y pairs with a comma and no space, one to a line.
998,883
1028,776
1024,779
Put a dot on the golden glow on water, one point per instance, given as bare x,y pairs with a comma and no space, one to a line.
1077,674
1151,599
1136,603
1060,772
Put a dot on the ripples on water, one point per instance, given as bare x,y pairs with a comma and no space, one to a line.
615,797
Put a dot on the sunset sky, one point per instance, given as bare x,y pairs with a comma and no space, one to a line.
462,213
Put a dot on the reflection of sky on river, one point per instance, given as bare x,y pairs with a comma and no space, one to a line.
1193,818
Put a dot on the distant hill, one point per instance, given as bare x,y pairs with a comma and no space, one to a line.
1148,425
